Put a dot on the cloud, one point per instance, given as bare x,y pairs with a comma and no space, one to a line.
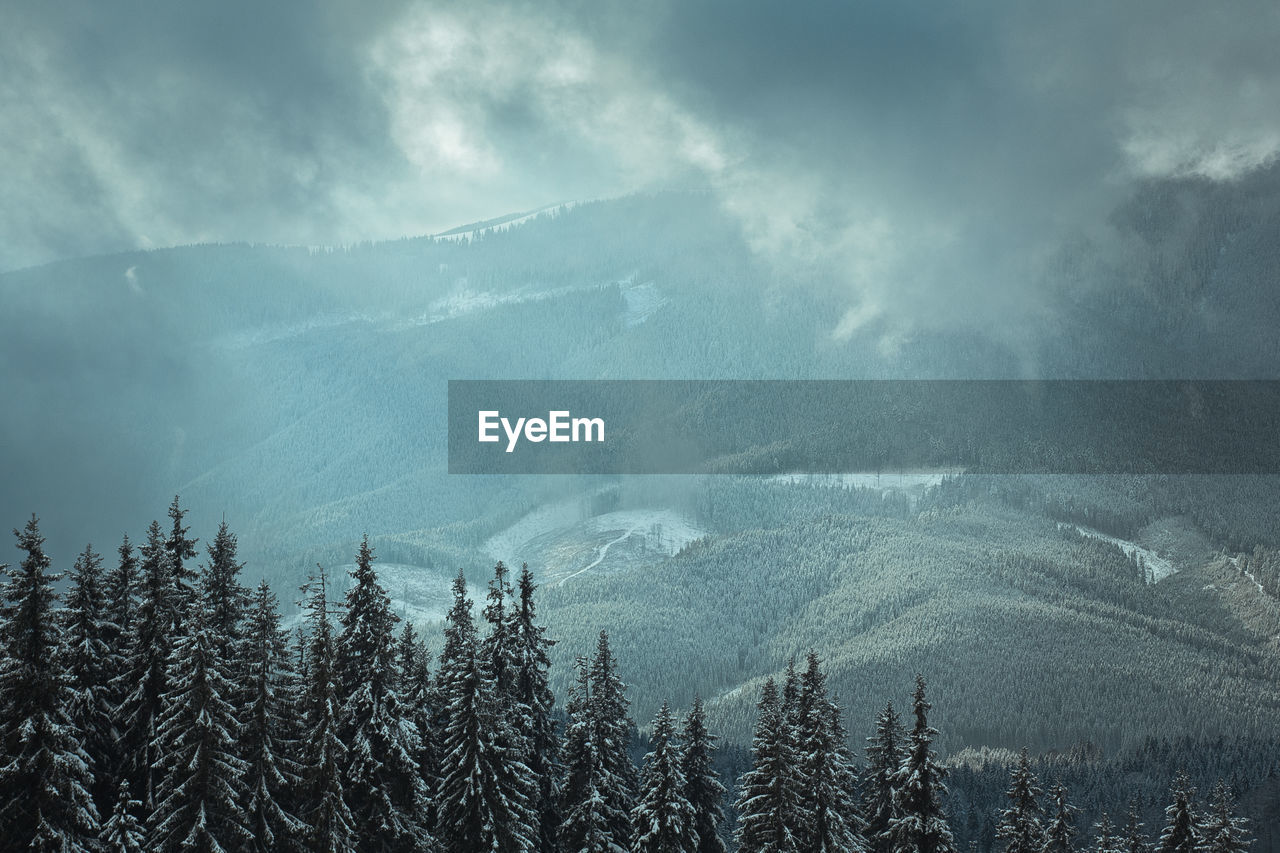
930,158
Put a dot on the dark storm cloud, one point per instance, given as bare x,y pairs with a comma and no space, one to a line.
930,157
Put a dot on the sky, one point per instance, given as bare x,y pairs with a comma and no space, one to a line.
912,146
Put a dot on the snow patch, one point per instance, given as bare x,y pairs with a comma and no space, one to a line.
1158,568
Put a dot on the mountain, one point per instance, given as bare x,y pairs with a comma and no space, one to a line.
300,394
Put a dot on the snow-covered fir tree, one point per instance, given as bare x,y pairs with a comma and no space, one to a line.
1135,837
535,702
144,678
1021,825
226,598
662,820
123,833
828,819
382,784
120,588
179,549
884,757
768,797
267,741
484,798
920,825
611,733
702,787
1181,832
584,828
1060,834
45,799
89,664
1105,838
200,792
1221,831
418,698
330,826
497,649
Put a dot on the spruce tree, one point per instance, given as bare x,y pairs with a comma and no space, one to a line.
120,589
144,679
201,778
1135,839
88,664
1222,831
484,798
226,598
768,798
1181,833
497,649
583,828
827,819
611,737
267,741
418,697
702,786
921,825
179,549
122,833
1105,838
45,800
383,786
329,824
535,703
662,820
1021,828
1059,836
884,757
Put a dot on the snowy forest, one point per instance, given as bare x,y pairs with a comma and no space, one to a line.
160,704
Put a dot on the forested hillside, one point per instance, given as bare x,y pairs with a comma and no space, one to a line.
158,704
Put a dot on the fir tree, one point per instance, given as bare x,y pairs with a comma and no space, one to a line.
88,664
662,820
1181,833
1105,838
702,786
418,697
266,739
120,590
535,702
144,679
1059,836
200,790
383,786
483,804
1135,840
45,804
768,799
1021,828
827,819
122,833
497,650
1222,831
178,549
921,825
584,827
226,599
611,729
330,826
884,757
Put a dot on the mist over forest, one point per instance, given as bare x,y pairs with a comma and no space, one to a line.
244,250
